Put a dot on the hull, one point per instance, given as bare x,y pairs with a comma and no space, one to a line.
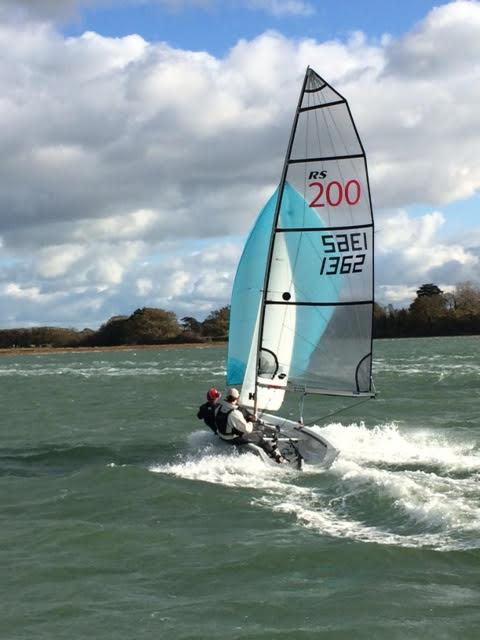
299,445
304,443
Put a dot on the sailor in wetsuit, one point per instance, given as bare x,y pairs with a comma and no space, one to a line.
206,411
233,427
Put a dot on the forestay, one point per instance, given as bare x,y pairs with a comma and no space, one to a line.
302,302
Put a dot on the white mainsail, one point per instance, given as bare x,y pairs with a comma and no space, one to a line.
302,302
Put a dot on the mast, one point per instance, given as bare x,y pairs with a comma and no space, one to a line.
272,235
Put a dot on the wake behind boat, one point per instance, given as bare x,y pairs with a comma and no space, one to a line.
302,301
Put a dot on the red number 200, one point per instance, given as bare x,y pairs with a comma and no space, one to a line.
335,193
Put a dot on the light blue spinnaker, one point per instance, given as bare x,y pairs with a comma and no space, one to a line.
249,280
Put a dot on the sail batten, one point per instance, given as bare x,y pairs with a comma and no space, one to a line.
322,105
307,229
318,304
326,158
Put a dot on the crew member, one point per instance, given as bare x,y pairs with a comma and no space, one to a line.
206,411
233,427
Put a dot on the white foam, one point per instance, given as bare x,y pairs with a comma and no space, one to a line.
328,522
228,468
432,508
387,444
103,370
431,366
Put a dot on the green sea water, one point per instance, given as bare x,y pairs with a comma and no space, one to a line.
121,517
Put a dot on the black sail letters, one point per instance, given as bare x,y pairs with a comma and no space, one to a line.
345,253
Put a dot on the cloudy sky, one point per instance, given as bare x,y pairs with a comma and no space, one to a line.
140,138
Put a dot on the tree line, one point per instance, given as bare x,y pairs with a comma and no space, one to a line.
432,313
144,327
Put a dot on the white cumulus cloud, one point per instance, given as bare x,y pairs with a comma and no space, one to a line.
411,252
111,148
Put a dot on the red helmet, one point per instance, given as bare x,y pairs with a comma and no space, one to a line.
213,395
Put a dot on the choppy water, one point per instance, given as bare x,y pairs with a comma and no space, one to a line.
121,518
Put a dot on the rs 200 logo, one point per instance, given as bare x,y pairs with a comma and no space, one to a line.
332,193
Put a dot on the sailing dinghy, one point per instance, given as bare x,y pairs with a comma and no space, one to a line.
302,301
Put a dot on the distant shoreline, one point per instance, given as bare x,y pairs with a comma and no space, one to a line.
27,351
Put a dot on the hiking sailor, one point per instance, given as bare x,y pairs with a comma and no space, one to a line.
206,411
233,427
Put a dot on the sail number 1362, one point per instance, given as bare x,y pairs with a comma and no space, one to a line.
348,250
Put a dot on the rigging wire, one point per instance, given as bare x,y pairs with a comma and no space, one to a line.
319,418
334,413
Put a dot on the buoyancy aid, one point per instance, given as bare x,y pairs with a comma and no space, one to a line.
225,430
